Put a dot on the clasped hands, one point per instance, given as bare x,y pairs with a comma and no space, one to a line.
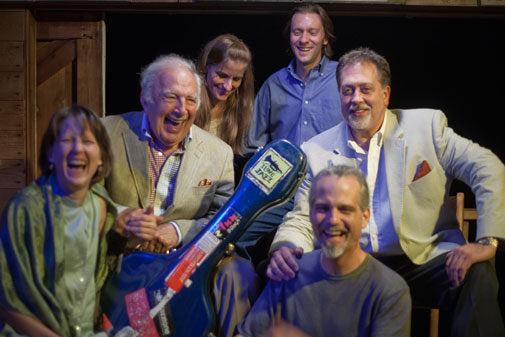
146,229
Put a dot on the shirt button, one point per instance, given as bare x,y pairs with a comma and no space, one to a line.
77,328
81,279
305,123
306,102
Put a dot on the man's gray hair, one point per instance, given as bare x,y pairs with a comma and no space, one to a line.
343,171
365,55
162,62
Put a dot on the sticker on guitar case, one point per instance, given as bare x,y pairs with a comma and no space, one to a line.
226,224
137,307
269,170
163,318
208,242
176,279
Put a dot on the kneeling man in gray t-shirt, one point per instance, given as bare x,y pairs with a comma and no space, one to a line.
338,289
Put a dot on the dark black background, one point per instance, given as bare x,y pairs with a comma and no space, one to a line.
453,64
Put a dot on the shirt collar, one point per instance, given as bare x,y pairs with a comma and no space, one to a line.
379,135
323,64
320,67
147,133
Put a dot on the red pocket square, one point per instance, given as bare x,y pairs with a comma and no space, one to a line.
422,170
205,182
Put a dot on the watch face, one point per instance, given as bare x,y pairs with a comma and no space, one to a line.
489,241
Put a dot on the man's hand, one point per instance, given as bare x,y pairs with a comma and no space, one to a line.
460,259
283,265
141,223
165,238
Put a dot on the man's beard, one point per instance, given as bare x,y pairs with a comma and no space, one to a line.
360,123
334,250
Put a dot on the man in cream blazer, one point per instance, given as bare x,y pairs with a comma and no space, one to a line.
410,158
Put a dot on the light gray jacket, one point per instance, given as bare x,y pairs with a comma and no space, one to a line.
205,157
422,215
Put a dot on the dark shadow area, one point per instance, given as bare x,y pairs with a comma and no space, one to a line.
452,64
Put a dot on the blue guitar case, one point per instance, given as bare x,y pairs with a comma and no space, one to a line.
170,295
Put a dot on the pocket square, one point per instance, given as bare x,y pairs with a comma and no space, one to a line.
205,182
422,170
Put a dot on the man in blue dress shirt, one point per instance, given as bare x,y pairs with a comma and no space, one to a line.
298,101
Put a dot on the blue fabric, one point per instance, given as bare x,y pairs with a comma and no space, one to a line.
285,107
264,225
388,239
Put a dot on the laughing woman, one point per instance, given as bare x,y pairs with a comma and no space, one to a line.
53,234
227,103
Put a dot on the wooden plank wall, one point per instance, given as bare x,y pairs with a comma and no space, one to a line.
16,98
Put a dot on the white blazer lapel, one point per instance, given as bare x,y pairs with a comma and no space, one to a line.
394,155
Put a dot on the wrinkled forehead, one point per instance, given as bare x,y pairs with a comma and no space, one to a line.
178,80
361,71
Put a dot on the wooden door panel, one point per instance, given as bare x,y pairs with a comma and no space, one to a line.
53,94
12,25
90,73
53,56
11,55
13,144
17,97
12,115
69,69
12,84
12,173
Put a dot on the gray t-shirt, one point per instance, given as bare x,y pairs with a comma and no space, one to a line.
372,300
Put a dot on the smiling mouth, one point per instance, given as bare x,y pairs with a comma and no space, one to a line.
335,232
76,165
76,168
359,110
304,49
335,235
174,122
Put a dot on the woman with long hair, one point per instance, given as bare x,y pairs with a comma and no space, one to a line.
225,64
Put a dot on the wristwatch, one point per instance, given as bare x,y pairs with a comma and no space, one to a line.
488,241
